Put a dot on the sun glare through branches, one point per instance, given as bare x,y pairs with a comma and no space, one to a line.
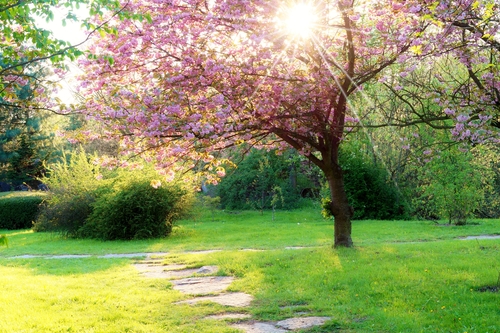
299,20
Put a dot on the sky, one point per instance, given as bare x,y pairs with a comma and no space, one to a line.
73,33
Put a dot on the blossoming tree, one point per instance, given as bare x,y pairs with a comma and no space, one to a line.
195,76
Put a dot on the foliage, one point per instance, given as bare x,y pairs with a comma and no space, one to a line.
253,184
18,210
26,164
252,79
27,77
73,184
4,241
223,82
87,201
136,210
453,184
487,164
205,203
368,186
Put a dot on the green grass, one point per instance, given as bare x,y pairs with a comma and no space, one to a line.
22,194
402,276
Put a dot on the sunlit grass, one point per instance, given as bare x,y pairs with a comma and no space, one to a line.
249,229
403,276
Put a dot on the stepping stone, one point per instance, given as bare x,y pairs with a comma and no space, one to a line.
157,262
259,328
207,270
203,285
121,255
173,271
228,299
301,323
68,256
480,237
224,316
201,251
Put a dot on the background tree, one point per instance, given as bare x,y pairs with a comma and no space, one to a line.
199,76
32,62
254,182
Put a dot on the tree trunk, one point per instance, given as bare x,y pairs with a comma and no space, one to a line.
341,210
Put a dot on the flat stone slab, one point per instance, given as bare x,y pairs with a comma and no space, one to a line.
174,271
302,322
203,285
481,237
61,256
259,328
206,270
224,316
228,299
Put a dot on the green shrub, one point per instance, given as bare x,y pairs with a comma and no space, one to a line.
136,211
453,184
18,210
252,185
368,188
4,241
85,201
73,184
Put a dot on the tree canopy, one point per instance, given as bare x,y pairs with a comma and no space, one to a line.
188,78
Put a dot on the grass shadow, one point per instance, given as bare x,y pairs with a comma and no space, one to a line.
64,267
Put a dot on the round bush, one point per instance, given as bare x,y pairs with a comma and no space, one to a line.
136,211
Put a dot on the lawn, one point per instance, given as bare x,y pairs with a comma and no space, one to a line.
402,276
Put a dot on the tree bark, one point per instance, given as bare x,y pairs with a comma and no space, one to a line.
342,211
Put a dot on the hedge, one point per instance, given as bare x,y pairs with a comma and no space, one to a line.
18,210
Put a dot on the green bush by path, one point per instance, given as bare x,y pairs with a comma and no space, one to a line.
18,210
86,201
136,211
73,182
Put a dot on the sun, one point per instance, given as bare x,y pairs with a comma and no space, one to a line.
299,20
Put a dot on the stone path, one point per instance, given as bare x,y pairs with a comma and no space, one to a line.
205,286
480,237
152,255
